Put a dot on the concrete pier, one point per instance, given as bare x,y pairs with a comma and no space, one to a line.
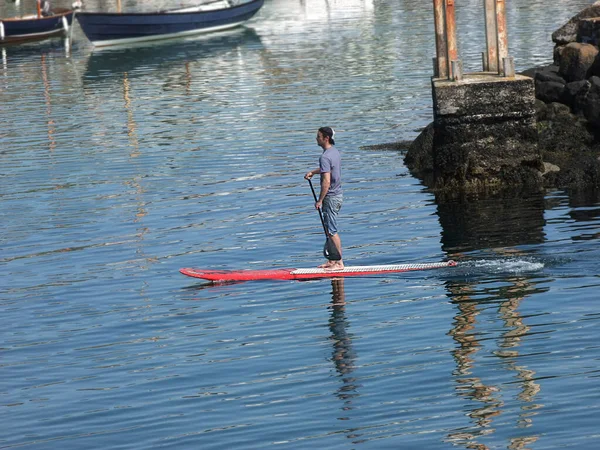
490,132
484,131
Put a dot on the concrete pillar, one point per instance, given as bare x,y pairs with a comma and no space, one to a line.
485,131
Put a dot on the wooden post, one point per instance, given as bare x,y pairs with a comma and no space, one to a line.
39,8
440,39
451,34
502,34
118,6
491,35
508,64
457,70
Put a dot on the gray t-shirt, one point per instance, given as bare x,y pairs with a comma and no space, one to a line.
331,162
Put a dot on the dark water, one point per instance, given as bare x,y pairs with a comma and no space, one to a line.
119,167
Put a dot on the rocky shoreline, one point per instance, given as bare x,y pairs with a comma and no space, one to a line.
567,113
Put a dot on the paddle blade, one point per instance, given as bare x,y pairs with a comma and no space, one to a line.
330,251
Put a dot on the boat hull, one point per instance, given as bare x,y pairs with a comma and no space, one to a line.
33,28
107,29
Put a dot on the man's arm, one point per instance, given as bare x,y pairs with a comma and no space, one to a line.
325,184
310,174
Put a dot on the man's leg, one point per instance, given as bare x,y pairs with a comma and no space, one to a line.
336,265
331,207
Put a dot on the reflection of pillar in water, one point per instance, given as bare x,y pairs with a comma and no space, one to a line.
516,329
584,208
469,386
188,78
135,182
131,125
47,99
494,221
133,140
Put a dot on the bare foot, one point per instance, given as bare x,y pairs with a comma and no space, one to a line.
326,265
336,265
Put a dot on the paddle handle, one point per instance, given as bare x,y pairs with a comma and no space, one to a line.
319,209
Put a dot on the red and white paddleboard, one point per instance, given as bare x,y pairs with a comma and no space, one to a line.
305,274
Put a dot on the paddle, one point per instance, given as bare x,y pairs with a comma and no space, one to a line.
330,251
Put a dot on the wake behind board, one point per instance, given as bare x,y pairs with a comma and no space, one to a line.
306,274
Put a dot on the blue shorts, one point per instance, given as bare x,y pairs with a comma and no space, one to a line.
331,207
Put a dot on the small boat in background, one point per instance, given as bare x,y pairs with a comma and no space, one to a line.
119,28
36,27
164,59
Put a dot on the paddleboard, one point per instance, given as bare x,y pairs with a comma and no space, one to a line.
305,274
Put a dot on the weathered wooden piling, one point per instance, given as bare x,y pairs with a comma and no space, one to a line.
484,130
502,34
491,33
441,60
451,41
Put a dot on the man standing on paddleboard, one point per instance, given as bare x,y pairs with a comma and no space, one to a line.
330,197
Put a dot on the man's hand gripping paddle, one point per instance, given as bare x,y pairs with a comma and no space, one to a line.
330,251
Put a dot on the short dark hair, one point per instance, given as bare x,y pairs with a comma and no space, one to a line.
327,131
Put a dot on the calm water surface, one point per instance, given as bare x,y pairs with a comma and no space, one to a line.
119,167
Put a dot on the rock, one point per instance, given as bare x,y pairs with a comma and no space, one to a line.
595,69
549,91
574,95
544,73
591,104
400,146
419,157
562,133
549,73
530,72
556,54
556,111
576,61
540,109
549,168
549,85
589,31
568,32
583,170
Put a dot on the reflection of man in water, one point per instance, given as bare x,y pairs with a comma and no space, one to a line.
45,8
338,297
343,355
